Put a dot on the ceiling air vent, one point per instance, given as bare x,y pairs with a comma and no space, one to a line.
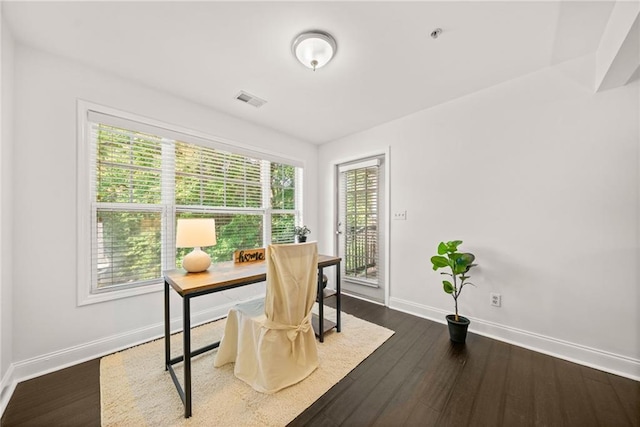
250,99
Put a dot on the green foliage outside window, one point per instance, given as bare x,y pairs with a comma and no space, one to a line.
283,196
128,168
233,232
208,177
283,186
129,198
135,238
282,226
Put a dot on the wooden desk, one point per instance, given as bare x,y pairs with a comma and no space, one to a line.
220,277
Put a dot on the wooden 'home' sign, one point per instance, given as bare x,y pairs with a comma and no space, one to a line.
248,255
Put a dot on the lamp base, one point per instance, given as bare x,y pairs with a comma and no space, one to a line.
196,261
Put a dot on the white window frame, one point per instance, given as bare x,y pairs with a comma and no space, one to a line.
86,294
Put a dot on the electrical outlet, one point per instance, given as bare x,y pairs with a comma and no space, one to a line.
496,300
401,215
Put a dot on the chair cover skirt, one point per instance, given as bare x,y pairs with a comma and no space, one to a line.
272,342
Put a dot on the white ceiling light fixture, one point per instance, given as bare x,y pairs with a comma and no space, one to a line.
314,49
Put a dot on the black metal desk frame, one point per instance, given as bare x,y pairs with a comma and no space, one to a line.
188,353
321,296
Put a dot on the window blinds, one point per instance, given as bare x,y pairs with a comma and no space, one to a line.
127,206
360,220
143,178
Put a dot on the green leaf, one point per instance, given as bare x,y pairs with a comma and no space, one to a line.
461,262
469,258
453,245
442,248
447,286
455,256
439,262
466,262
456,263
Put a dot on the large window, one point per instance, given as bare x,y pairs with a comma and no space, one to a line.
142,177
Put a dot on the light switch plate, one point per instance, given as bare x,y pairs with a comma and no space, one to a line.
401,215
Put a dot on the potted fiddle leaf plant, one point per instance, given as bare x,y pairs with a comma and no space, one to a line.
457,265
300,233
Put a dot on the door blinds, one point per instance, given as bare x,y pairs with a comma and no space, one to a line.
359,207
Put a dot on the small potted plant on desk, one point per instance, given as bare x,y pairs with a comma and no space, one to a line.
301,233
459,264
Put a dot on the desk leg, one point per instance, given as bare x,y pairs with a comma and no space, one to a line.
186,334
167,327
338,297
320,304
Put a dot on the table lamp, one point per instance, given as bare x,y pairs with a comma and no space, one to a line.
195,233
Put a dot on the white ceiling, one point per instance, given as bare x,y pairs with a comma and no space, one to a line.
386,66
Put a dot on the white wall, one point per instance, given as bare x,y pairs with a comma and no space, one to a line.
539,177
6,136
49,329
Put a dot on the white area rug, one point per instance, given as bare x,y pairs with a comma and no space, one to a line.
135,389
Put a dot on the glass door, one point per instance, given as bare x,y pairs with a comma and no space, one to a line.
360,216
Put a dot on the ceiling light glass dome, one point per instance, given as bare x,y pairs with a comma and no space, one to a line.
314,49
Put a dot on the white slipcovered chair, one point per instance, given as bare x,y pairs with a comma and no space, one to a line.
272,341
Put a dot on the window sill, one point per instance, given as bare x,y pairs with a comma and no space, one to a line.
93,298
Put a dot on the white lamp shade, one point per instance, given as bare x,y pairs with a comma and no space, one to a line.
314,49
195,232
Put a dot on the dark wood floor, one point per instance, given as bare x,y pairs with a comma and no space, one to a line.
417,378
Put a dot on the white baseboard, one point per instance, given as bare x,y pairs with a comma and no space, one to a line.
602,360
7,386
54,361
360,297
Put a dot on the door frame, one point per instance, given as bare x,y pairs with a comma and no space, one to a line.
385,153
